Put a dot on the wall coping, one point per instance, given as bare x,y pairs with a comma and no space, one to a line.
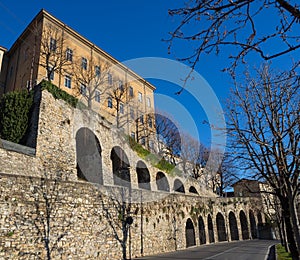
10,146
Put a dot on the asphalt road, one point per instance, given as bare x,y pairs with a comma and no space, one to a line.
239,250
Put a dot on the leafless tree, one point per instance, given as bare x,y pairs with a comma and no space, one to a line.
264,119
213,25
168,136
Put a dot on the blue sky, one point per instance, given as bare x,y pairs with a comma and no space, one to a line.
126,30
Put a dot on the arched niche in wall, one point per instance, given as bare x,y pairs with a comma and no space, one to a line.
178,186
190,233
234,233
143,176
120,167
253,226
202,235
88,156
244,225
222,236
210,228
192,189
162,182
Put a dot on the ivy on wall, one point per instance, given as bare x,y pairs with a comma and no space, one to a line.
14,115
58,93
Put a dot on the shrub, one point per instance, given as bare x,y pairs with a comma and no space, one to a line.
58,93
14,115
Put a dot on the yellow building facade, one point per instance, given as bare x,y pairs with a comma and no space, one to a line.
50,50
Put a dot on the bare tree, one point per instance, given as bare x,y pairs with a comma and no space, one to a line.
264,119
238,24
168,137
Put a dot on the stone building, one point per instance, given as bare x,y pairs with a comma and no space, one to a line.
49,49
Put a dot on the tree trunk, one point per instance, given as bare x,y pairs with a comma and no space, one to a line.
285,204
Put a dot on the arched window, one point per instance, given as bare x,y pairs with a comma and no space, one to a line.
234,233
178,186
88,156
222,236
162,182
143,176
244,225
120,167
190,233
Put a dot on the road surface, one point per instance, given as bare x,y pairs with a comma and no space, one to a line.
239,250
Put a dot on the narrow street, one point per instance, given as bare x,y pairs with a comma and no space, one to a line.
240,250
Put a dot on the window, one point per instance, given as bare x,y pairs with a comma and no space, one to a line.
131,113
148,102
143,140
68,81
150,121
97,71
140,97
69,54
132,135
121,108
83,89
51,73
142,119
84,63
121,86
109,102
52,44
109,79
97,96
131,91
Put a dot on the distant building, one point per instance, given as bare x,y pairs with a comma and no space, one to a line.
247,188
49,49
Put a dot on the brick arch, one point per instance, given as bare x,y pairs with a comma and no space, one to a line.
88,156
178,186
143,175
190,233
234,233
162,182
222,236
244,225
120,167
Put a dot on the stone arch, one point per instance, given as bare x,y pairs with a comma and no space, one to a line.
244,225
202,235
178,186
210,228
253,226
190,233
120,167
162,182
88,156
192,189
234,233
143,176
222,236
259,218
